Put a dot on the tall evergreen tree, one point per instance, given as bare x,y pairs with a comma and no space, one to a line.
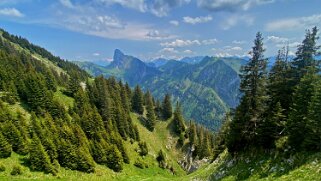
5,147
178,120
305,56
297,121
312,137
151,118
38,157
247,119
138,100
167,109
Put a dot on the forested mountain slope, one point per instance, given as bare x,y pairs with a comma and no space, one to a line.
58,122
206,88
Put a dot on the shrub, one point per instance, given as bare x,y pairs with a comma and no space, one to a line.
2,168
140,163
16,170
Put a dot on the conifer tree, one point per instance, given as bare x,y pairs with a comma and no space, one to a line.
312,137
167,109
178,120
192,134
151,118
114,159
38,157
297,122
5,147
246,122
143,148
138,101
305,56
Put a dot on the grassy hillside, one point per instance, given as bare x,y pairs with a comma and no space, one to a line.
161,138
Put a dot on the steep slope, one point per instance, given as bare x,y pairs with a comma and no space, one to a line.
206,88
59,123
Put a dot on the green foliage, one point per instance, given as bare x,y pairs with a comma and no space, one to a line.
137,100
38,157
161,158
5,147
143,148
2,168
245,127
14,137
114,159
151,118
178,120
167,109
140,164
16,170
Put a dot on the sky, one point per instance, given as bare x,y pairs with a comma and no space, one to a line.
89,30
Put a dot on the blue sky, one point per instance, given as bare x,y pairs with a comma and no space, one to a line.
88,30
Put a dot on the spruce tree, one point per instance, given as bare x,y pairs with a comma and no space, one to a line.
138,101
114,159
5,147
167,109
38,157
192,134
297,121
178,120
151,118
305,56
247,120
312,137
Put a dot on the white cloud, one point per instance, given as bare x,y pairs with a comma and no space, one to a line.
196,20
168,50
96,54
67,3
294,23
13,12
184,43
159,8
181,43
138,5
209,41
222,54
156,35
188,51
239,42
294,44
230,5
237,19
276,39
173,22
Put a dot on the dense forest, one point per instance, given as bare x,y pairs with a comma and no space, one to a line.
90,125
280,108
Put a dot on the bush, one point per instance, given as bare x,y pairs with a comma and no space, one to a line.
2,168
16,170
143,148
140,163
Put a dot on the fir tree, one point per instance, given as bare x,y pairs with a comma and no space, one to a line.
143,148
297,121
178,120
138,101
38,157
305,55
167,109
247,120
5,147
312,137
151,118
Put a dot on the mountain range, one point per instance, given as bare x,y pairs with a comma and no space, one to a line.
206,87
